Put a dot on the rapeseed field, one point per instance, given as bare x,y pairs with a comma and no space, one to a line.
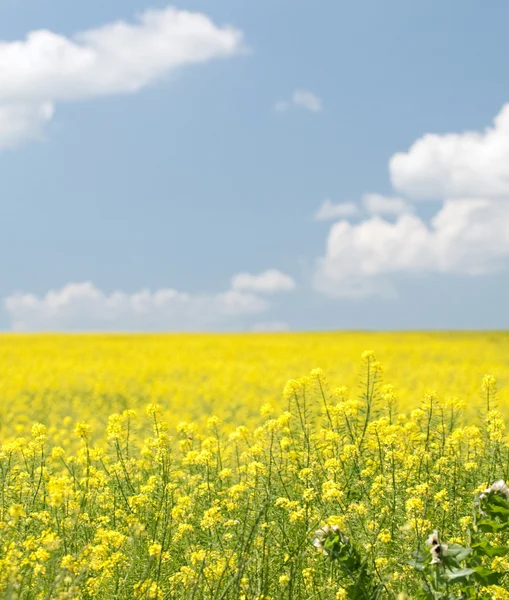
254,466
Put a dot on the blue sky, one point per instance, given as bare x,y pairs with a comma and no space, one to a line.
135,189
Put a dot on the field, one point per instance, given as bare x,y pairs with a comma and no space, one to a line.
254,466
47,378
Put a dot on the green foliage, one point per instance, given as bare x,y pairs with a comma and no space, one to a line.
469,572
360,582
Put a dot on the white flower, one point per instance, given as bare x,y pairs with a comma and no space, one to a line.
322,534
437,552
437,549
499,487
433,539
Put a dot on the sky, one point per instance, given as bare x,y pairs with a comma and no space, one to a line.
253,166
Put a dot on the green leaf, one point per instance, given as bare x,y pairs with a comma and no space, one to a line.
457,575
484,548
416,565
496,505
458,552
490,526
497,500
487,576
499,511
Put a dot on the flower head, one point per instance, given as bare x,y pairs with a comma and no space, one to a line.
82,430
326,537
499,487
437,549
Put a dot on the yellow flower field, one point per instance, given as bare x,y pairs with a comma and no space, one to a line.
47,378
254,467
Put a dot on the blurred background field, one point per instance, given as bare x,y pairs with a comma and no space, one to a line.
61,379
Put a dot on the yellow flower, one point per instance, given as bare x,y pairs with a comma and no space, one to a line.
489,384
16,511
39,432
57,453
495,592
381,562
154,549
148,589
82,430
211,518
213,422
384,536
267,410
153,410
331,491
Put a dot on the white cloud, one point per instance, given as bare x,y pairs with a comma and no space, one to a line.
301,99
469,236
329,211
308,100
268,282
270,327
376,204
456,165
82,307
23,122
116,58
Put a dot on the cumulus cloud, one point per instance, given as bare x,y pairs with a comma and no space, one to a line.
329,211
308,100
467,236
456,165
301,99
116,58
23,122
82,307
268,282
372,204
377,204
